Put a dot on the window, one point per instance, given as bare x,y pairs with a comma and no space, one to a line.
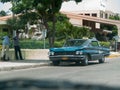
94,43
87,14
94,14
106,15
5,30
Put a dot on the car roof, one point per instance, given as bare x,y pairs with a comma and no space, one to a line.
92,39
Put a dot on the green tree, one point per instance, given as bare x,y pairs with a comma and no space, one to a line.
112,28
46,9
115,17
3,13
65,30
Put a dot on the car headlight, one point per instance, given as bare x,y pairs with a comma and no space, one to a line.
51,53
79,52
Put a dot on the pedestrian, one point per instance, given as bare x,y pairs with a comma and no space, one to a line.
5,48
17,49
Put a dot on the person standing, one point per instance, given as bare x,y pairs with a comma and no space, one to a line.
18,54
5,48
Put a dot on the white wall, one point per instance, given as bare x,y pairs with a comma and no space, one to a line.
31,54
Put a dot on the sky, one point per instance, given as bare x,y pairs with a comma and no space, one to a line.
5,7
113,5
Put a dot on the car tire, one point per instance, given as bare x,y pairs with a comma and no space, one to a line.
55,63
102,60
77,62
85,61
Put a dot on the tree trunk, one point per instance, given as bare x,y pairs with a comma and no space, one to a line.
52,33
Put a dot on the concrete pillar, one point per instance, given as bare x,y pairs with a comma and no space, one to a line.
117,39
118,27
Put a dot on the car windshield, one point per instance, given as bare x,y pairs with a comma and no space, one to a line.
74,43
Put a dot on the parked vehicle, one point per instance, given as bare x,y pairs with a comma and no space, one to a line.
79,50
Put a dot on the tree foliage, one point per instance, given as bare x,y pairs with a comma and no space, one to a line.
3,13
115,17
16,23
112,28
45,9
65,30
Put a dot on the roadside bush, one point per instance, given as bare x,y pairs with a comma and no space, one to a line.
33,44
59,43
105,44
39,44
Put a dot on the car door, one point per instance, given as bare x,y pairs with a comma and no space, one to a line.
95,50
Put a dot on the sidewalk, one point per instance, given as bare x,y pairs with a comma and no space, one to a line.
24,64
114,54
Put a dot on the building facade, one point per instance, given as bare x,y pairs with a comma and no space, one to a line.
4,27
94,8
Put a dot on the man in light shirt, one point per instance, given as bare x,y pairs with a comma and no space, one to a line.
5,48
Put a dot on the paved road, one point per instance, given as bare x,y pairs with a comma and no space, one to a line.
99,74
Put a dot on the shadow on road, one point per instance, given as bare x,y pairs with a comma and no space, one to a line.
29,61
69,64
29,84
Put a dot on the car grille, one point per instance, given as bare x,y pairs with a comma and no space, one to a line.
64,53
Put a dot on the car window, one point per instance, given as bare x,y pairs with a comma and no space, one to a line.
94,43
74,43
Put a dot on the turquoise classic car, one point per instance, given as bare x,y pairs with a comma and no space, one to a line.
79,51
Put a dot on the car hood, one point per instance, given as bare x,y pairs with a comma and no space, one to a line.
66,49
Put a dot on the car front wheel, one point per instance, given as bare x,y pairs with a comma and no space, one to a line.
55,63
85,61
102,60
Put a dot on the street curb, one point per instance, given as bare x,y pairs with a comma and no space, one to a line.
35,65
23,67
113,56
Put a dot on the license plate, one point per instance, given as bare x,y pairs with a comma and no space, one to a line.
64,58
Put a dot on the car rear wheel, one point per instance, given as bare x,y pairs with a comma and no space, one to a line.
102,60
85,61
55,63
